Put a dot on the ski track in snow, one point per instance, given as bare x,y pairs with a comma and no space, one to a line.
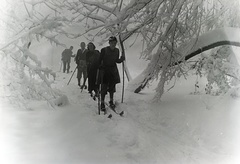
148,133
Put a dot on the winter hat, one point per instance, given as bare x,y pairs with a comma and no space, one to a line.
112,38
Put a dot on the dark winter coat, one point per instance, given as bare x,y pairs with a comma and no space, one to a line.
92,58
66,55
108,60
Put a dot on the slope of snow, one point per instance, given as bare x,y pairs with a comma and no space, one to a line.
183,128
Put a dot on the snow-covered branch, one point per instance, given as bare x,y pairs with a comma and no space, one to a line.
99,5
163,25
180,22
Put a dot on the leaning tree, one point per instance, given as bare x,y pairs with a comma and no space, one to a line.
175,23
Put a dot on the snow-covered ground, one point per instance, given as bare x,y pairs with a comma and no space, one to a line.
182,128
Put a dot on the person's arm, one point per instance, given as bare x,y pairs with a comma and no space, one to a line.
87,58
96,58
70,54
100,63
63,53
121,59
77,57
73,55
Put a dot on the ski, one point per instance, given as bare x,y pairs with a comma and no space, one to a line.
97,97
108,111
114,110
108,115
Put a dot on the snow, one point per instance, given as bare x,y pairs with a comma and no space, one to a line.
183,128
61,101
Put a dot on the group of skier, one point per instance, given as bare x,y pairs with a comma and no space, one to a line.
100,68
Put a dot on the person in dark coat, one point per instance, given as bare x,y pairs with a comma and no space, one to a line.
109,58
81,65
66,58
92,58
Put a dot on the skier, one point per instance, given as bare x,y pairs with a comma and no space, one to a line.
110,77
92,58
66,58
81,65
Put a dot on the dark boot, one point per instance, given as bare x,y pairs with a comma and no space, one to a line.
111,104
79,84
103,108
91,94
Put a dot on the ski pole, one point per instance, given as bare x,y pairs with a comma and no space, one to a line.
98,92
71,76
123,68
99,81
123,82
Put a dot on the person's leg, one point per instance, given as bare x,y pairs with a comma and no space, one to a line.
84,78
111,94
84,83
96,90
90,87
111,103
68,67
64,67
79,82
80,78
79,75
103,94
112,89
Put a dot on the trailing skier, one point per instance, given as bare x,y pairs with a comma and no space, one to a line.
92,58
66,58
81,65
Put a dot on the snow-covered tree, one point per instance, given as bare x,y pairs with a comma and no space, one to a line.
220,68
161,25
175,23
23,22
